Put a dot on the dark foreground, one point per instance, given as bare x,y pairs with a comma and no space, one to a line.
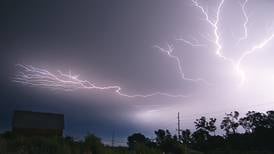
257,138
11,144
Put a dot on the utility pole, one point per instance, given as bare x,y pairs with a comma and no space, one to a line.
112,139
178,126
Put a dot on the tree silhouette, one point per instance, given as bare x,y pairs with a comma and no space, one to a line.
167,143
186,136
257,139
93,144
160,136
230,123
201,123
208,126
253,120
136,138
199,138
211,125
270,119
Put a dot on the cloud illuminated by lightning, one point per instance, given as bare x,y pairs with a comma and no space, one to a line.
33,76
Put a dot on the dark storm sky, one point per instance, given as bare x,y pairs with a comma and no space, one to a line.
111,42
112,38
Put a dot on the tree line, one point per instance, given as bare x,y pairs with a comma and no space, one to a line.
257,135
252,133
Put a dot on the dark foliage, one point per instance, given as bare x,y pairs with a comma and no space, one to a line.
258,135
257,138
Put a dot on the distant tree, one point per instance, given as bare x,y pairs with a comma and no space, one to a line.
201,123
270,119
69,139
199,138
186,136
253,120
162,136
93,144
208,126
136,138
211,127
230,123
167,143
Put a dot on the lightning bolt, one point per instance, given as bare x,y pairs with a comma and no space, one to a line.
245,22
170,48
33,76
193,43
215,25
169,53
253,49
245,54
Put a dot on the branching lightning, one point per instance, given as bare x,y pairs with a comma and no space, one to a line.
245,54
193,43
33,76
255,48
215,25
169,53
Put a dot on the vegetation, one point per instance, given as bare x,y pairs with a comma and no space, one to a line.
257,137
